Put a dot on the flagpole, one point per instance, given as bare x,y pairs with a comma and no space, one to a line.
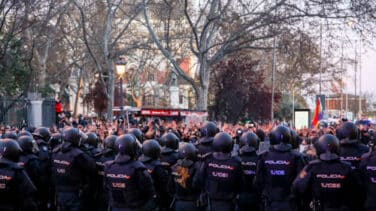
342,70
318,111
320,58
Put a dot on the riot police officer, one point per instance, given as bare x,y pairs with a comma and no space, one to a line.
138,134
24,133
169,154
83,143
351,150
264,141
276,171
248,146
295,142
107,154
184,184
221,174
328,180
42,136
129,184
236,138
10,135
91,143
28,160
90,193
151,152
368,172
71,168
204,144
110,149
17,190
55,141
302,201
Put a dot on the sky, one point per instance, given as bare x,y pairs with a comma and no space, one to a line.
368,67
369,71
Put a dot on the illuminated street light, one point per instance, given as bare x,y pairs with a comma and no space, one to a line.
120,70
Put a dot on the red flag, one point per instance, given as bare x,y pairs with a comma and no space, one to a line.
318,113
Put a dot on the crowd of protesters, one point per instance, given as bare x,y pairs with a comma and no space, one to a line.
87,164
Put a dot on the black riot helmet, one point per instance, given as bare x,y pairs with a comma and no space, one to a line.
10,135
209,130
279,134
170,142
42,133
347,133
261,134
127,145
249,142
151,150
72,135
10,149
326,146
294,139
26,143
188,151
109,142
24,133
223,143
137,133
55,140
92,139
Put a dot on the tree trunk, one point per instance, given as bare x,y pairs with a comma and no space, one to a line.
42,77
110,91
78,93
202,98
203,89
2,111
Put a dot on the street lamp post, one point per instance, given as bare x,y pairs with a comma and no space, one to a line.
120,70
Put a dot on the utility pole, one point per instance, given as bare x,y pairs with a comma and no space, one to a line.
273,78
347,103
342,72
320,58
355,76
293,107
360,79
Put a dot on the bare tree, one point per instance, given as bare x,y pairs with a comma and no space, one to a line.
107,33
218,28
45,19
